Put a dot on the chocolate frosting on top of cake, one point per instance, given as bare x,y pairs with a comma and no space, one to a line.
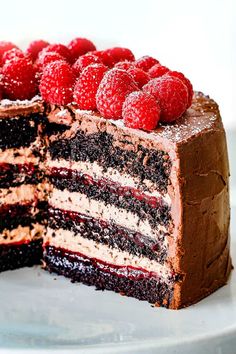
10,109
202,116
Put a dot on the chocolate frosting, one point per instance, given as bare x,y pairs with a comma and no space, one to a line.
10,109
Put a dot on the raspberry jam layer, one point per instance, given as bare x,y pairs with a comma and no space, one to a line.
14,175
106,185
129,272
109,234
13,215
154,209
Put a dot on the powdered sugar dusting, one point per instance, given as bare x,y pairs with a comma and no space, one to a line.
203,115
62,113
187,127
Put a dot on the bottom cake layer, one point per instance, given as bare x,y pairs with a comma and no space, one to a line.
129,282
15,256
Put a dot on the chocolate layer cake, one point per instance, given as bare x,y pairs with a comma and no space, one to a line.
22,190
115,176
143,214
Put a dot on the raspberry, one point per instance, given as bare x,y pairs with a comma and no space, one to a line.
84,61
139,76
60,49
57,82
157,70
124,65
35,48
87,85
112,56
141,111
19,81
102,55
80,46
145,63
11,54
172,95
5,47
45,58
186,82
105,57
115,86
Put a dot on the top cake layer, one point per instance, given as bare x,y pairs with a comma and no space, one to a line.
201,116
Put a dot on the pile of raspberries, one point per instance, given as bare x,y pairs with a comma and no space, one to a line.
141,91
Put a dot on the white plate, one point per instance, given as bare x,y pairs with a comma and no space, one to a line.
44,313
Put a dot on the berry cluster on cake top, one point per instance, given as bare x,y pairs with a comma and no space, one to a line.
141,91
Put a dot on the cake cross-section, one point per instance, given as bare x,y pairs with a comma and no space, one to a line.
143,214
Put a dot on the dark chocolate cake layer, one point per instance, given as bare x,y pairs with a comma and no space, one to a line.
147,164
10,128
15,256
108,234
87,271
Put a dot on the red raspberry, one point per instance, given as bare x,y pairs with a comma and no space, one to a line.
85,60
5,47
102,55
45,58
124,65
60,49
157,70
172,95
112,56
35,48
186,82
19,81
80,46
11,54
141,111
57,82
115,86
145,63
87,85
139,76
